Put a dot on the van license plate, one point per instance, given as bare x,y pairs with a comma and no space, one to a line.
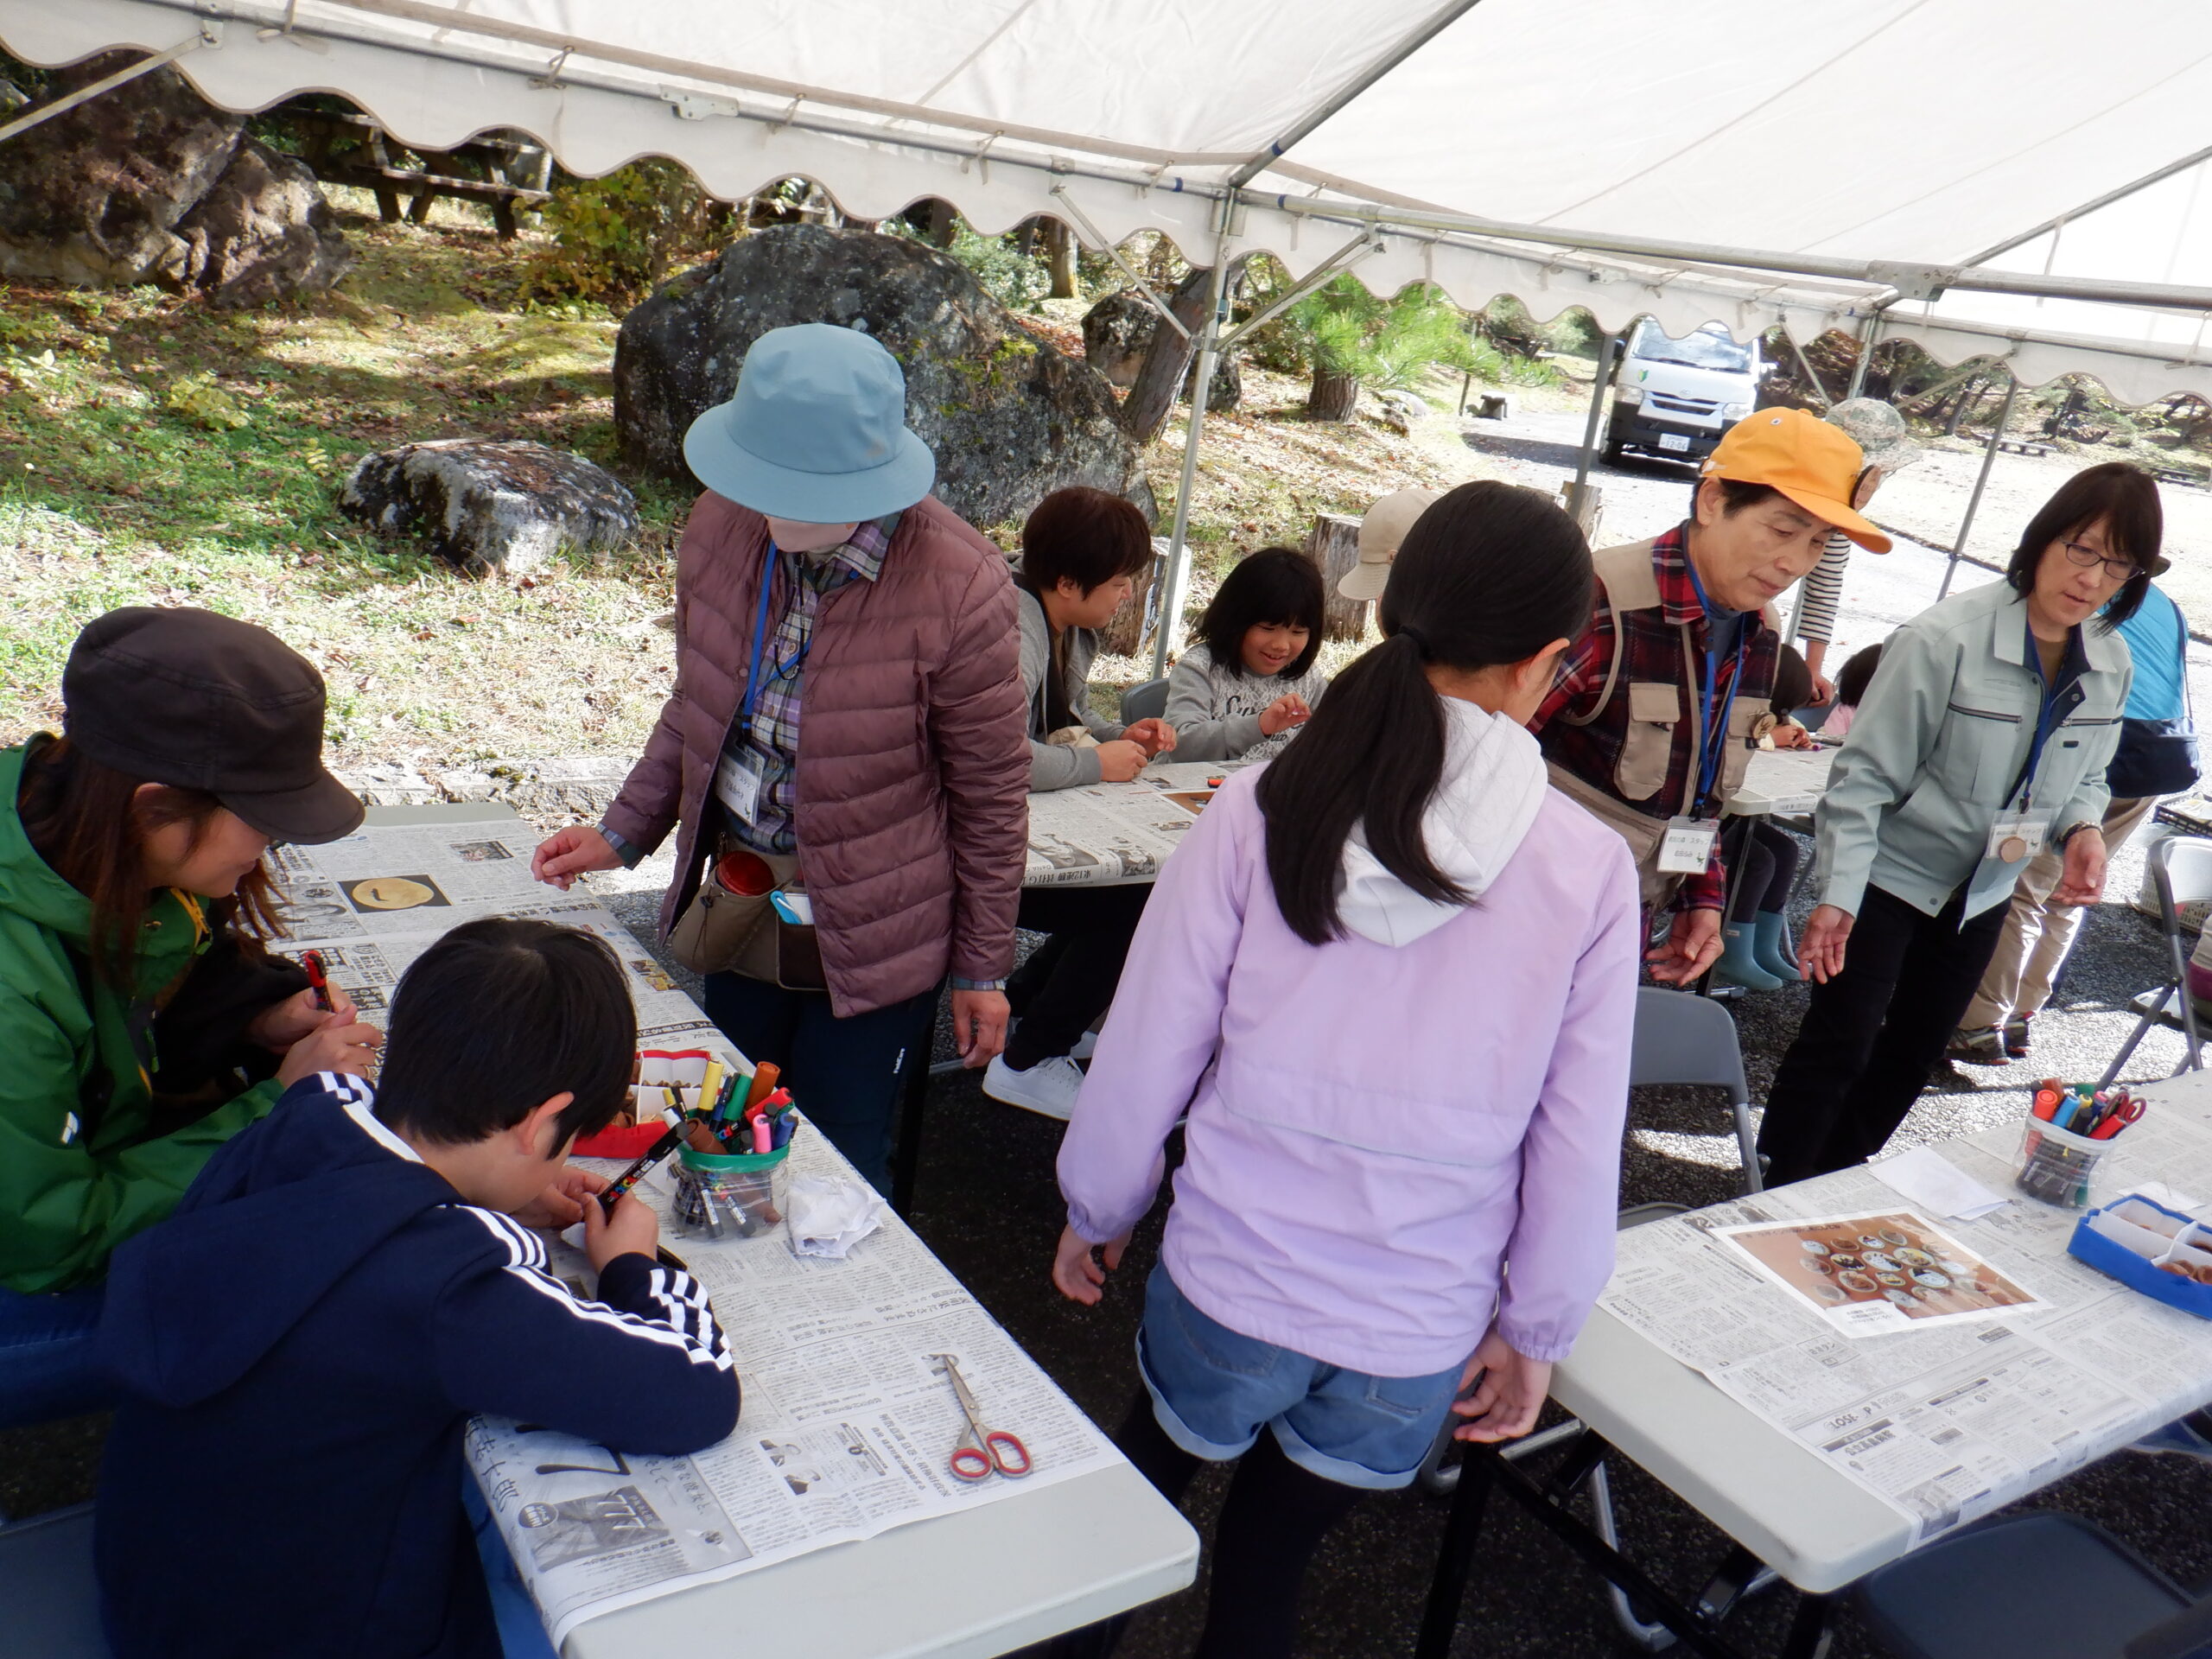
1675,441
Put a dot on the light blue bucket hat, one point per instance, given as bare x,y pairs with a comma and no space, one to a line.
817,431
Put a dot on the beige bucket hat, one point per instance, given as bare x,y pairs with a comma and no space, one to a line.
1380,534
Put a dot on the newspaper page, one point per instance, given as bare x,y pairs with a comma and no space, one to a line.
1103,833
1788,783
1949,1419
848,1429
388,878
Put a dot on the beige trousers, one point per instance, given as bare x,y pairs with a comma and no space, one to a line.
2037,933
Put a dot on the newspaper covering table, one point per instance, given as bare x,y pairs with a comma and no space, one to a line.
847,1430
1943,1425
1786,783
1098,834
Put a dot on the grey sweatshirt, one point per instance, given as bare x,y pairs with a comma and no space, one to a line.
1057,765
1215,711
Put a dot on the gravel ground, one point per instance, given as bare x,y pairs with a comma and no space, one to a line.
986,1202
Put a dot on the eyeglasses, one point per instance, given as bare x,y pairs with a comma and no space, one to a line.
2087,557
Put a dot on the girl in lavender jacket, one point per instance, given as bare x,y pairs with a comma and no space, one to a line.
1391,975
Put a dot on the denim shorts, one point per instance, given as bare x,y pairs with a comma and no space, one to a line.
1214,1390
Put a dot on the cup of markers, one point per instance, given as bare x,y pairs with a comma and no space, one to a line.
2067,1138
734,1147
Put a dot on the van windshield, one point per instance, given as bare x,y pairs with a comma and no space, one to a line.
1708,348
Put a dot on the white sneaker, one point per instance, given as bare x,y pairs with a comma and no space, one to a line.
1048,1087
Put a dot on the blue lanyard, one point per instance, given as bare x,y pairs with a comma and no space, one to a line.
781,671
1716,737
2047,722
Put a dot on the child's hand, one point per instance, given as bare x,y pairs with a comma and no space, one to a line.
339,1042
1790,735
1513,1388
564,1202
1155,737
280,1025
632,1227
1285,712
1076,1273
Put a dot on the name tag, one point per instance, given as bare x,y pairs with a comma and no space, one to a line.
2016,839
1687,847
737,783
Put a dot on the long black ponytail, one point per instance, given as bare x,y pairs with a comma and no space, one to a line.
1492,574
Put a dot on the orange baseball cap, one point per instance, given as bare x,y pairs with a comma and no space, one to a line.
1813,464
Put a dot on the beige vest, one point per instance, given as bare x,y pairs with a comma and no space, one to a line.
1657,710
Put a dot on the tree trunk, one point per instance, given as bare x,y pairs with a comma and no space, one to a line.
1969,395
1124,635
1333,544
1333,396
1061,242
1167,361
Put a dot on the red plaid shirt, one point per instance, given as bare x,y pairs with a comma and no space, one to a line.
1653,648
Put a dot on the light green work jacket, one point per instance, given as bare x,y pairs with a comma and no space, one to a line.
1937,748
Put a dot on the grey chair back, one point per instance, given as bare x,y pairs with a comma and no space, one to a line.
1145,701
1680,1038
2181,874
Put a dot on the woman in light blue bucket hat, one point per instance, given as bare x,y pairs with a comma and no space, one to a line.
848,720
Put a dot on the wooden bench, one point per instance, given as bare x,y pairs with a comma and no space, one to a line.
2023,447
437,177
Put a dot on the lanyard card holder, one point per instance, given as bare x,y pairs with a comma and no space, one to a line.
1685,848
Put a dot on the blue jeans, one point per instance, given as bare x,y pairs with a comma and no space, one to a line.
847,1076
1214,1390
521,1631
46,1356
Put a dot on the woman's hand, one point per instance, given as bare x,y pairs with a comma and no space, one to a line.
1121,761
1823,689
1790,735
280,1025
1076,1273
2082,880
1693,945
1155,737
567,854
979,1025
1285,712
562,1204
1820,951
340,1043
1513,1390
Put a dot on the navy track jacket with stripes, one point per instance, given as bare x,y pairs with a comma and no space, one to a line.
303,1344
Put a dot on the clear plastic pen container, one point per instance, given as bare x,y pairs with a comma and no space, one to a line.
2056,1167
729,1195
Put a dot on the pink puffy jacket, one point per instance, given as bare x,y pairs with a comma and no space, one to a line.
913,763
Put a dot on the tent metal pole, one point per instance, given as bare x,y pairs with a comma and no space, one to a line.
1609,361
1327,271
1145,290
2057,220
1988,460
1176,579
1812,374
1870,335
211,34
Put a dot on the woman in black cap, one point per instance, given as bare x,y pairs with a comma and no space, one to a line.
142,1021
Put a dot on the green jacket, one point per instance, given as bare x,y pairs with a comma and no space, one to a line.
81,1168
1935,751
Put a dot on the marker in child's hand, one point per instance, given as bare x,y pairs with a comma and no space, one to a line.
318,980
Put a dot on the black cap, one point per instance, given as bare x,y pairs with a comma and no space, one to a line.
198,701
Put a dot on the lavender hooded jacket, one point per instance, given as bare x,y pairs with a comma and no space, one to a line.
1378,1129
913,776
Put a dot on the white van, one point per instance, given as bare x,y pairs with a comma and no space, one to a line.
1675,397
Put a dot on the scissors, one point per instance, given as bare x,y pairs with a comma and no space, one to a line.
982,1450
2118,1117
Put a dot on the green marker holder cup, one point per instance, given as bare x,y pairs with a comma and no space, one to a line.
731,1195
2056,1167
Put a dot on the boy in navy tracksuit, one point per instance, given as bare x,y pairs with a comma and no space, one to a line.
350,1280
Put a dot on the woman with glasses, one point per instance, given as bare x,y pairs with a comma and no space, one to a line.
1982,742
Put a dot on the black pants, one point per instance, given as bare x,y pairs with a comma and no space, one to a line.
1769,870
1873,1034
1069,981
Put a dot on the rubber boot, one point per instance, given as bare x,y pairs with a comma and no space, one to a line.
1739,963
1770,944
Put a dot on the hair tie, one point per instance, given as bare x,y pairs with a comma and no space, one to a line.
1407,631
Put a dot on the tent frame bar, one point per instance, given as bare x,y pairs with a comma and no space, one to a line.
1174,579
211,34
1362,246
1145,290
2059,221
1912,282
1981,483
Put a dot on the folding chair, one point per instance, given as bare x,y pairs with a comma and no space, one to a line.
46,1585
2053,1585
1685,1039
1145,701
2181,870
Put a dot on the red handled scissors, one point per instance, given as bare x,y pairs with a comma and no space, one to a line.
2117,1117
982,1451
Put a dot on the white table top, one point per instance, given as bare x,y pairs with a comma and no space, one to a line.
1786,783
960,1586
1813,1524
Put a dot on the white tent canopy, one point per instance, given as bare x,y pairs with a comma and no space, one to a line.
1829,163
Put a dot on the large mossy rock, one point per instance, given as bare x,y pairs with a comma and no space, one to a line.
151,183
1010,418
492,505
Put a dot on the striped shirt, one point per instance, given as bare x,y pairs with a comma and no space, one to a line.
770,738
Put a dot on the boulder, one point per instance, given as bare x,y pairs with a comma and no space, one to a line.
151,183
1117,335
489,505
1010,417
1399,409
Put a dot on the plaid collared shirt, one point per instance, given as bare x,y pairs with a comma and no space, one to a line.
771,736
1651,649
